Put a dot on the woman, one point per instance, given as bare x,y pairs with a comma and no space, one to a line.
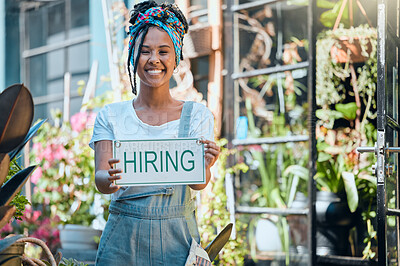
152,225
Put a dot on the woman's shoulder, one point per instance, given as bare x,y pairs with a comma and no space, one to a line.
200,110
200,115
116,107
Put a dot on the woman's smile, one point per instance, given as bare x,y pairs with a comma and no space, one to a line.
154,71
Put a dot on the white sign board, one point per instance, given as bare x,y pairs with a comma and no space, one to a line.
156,162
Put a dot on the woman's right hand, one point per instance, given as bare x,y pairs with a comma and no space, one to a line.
105,175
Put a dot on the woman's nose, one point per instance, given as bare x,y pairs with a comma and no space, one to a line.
154,58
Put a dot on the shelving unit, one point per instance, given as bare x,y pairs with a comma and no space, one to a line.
233,74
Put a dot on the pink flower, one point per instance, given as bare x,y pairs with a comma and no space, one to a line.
36,215
59,152
37,174
41,233
78,121
48,154
38,149
91,118
7,228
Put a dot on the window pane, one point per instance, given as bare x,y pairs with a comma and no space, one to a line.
78,58
80,13
56,23
55,64
36,79
58,105
75,79
40,112
56,86
75,105
79,18
34,24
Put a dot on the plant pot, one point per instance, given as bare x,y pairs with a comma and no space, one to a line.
340,52
298,225
11,256
267,236
78,237
334,221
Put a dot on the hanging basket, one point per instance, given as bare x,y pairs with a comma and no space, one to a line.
349,50
198,41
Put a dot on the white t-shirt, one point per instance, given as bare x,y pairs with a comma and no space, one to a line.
118,121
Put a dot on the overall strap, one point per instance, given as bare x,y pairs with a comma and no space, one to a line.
184,123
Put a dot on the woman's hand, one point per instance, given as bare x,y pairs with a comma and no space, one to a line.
113,175
105,175
211,153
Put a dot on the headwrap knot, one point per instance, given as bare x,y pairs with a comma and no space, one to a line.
164,19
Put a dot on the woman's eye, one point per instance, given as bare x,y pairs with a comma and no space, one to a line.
145,52
163,52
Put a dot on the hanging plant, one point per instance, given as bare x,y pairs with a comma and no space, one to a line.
337,50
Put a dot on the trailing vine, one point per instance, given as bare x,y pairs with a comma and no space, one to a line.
215,216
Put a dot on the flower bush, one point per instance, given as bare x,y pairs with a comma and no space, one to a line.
65,180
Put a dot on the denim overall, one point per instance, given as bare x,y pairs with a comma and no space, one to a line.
151,225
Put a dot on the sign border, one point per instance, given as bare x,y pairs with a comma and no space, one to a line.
161,183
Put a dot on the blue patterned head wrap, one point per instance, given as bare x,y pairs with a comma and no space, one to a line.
164,19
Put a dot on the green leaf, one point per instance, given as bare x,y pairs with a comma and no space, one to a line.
351,190
349,110
297,170
322,157
321,146
325,4
326,115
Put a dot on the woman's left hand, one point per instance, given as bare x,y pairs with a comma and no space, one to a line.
211,152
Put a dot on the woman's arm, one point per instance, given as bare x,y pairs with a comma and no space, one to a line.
105,175
211,155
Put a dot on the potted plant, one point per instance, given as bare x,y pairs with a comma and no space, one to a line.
16,108
65,181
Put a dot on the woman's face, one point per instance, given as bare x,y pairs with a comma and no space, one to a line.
156,60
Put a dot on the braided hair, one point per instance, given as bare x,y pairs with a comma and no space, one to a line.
142,29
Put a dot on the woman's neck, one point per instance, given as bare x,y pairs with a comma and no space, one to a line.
155,99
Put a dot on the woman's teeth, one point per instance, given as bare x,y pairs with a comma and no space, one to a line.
154,71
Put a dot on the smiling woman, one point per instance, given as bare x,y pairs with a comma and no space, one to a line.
151,225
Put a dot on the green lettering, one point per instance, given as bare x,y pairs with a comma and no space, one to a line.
175,165
189,161
161,162
140,159
130,161
148,161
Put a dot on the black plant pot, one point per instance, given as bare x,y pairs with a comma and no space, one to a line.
334,221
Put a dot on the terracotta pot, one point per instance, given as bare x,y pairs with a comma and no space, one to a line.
339,54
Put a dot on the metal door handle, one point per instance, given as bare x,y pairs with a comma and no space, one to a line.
366,149
393,149
375,149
